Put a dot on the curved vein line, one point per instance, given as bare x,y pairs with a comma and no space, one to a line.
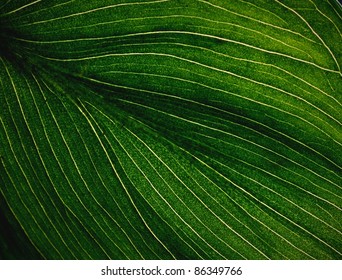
20,196
253,19
162,197
235,58
238,160
251,80
41,159
280,214
252,100
169,32
118,175
201,201
95,10
21,8
314,32
23,172
62,169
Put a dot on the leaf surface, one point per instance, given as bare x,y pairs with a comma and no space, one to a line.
171,129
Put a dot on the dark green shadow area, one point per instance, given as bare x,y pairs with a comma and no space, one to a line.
14,243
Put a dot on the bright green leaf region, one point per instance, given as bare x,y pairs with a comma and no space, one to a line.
170,129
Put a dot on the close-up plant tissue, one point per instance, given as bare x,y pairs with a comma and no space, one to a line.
170,129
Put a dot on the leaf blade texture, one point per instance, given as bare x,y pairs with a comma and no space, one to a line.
171,129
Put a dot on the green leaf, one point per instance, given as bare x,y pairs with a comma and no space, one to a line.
171,129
